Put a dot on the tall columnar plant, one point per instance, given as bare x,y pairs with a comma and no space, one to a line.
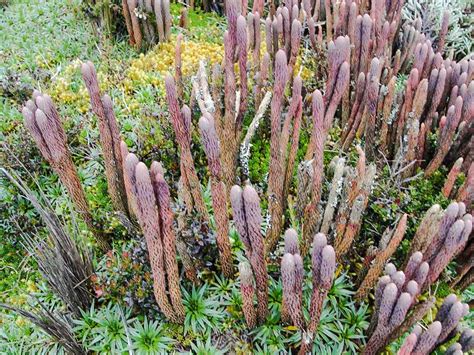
43,122
357,189
218,190
323,260
292,274
181,120
316,146
151,195
276,176
466,191
248,219
109,138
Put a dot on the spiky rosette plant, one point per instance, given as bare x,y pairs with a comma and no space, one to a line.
64,262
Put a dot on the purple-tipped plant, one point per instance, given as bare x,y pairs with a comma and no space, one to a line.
248,219
44,124
109,138
218,190
181,129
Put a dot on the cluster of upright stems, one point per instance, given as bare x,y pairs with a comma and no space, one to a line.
452,233
323,260
437,97
43,122
109,135
366,47
148,21
349,191
396,123
388,245
388,121
248,220
151,198
464,344
218,191
181,121
441,330
395,294
441,236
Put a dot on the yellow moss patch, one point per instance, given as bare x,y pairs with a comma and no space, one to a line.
151,68
147,70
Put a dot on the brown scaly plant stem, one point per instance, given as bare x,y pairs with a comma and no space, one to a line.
152,198
295,113
43,122
349,219
381,258
109,138
188,263
247,290
132,205
324,109
229,132
292,274
218,191
248,219
323,261
466,191
282,161
276,174
147,22
311,211
181,120
451,178
178,74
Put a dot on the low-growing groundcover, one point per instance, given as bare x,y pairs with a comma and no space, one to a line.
251,185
